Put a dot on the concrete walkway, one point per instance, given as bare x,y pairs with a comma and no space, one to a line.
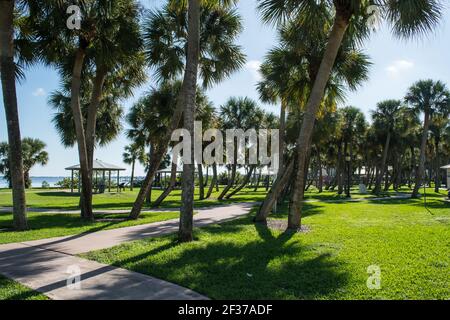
45,265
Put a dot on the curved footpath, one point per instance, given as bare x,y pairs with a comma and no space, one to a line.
46,265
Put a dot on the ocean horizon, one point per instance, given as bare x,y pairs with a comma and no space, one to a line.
36,181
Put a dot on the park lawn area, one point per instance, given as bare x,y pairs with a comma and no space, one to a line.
241,260
49,225
61,199
11,290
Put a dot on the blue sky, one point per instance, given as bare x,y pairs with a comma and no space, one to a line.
396,65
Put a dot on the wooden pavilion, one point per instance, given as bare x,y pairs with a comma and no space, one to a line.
98,167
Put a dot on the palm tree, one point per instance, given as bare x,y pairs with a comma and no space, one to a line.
354,125
108,38
438,130
108,118
132,153
203,42
293,66
8,77
432,98
385,118
324,134
238,113
33,153
349,17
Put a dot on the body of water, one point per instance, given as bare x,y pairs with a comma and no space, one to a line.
36,182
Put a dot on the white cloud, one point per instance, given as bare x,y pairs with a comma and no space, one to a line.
253,66
39,92
399,66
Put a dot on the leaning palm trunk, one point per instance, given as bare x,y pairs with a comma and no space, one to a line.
185,232
282,143
201,184
133,163
230,181
8,78
91,120
274,193
158,154
243,184
168,190
213,181
423,145
86,181
258,180
334,43
377,189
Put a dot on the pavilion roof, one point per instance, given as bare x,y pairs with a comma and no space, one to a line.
99,166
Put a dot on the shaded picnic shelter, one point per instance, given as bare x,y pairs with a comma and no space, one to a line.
98,167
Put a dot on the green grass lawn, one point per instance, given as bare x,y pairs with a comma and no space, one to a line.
241,260
60,199
11,290
45,225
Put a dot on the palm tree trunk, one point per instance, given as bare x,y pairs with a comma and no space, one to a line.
282,134
423,146
213,181
413,167
86,181
274,193
437,180
158,153
168,190
185,233
319,164
7,67
258,180
132,173
377,189
201,185
339,169
231,180
91,120
334,43
243,184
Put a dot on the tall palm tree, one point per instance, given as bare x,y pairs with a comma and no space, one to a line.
293,67
108,118
150,118
8,77
432,98
109,35
438,131
407,20
238,113
133,153
354,125
385,118
205,32
33,153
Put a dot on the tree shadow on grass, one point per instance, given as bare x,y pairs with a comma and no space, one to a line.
62,194
268,266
